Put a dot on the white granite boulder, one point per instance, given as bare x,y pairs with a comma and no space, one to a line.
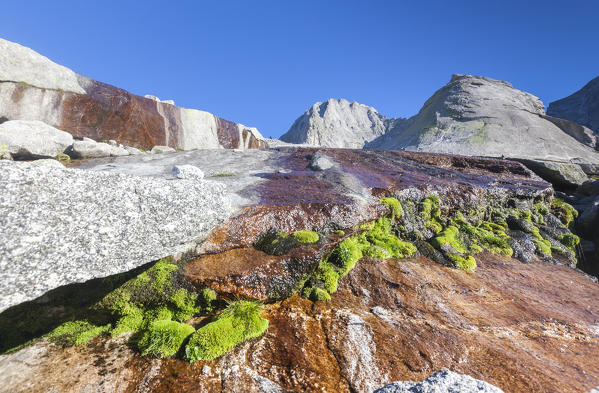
32,139
443,381
91,149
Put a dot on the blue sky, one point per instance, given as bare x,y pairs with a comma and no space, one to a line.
263,63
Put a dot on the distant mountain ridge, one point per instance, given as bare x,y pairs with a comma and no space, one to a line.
581,107
471,115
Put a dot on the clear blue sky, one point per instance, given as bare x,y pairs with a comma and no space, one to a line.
263,63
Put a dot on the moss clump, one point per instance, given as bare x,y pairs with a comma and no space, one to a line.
76,332
394,205
305,236
569,240
565,212
135,303
464,263
430,212
238,322
164,338
377,241
316,294
339,232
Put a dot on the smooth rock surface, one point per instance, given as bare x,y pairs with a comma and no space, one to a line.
162,150
337,123
560,174
21,64
34,88
61,226
443,381
33,139
92,149
474,115
581,107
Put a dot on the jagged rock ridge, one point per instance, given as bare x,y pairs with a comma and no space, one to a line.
337,123
33,87
581,107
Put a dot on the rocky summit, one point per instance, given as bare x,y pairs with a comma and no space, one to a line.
581,107
471,115
378,267
337,123
32,87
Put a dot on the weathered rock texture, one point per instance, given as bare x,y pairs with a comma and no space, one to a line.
33,139
482,116
471,115
581,107
443,381
337,123
34,88
523,327
60,226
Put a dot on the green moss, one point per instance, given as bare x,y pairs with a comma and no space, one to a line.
130,322
185,304
329,276
569,240
339,232
565,212
164,338
224,174
377,241
76,332
346,255
430,211
449,236
240,321
305,236
464,263
394,205
63,157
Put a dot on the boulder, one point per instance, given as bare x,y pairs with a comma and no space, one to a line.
443,381
33,139
562,175
133,150
162,150
581,107
62,226
187,172
320,162
582,134
92,149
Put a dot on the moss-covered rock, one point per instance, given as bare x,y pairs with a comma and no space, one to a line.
163,338
305,236
238,322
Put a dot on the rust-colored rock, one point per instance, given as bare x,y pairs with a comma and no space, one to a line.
521,327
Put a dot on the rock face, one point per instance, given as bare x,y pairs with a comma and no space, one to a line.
443,381
581,107
33,139
337,123
34,88
523,327
471,115
481,116
62,226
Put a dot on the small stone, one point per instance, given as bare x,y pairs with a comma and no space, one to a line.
187,172
207,370
133,151
112,142
162,150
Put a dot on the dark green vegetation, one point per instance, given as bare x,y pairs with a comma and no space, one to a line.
238,322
